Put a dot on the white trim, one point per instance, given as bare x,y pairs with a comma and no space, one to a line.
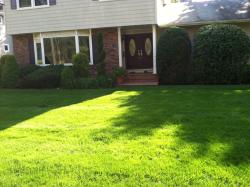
77,42
119,45
154,48
17,5
35,52
91,47
42,46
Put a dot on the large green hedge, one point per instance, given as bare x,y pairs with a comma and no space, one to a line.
10,71
173,56
221,53
44,77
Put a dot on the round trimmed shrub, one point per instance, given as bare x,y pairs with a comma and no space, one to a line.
221,53
81,65
10,72
67,78
173,56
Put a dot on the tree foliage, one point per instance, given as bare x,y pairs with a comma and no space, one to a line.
221,53
10,71
173,56
101,55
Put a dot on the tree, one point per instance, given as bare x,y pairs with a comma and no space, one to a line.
173,56
101,55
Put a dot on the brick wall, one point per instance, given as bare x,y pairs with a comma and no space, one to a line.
110,37
24,48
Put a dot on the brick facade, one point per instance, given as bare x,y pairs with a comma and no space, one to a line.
24,48
110,37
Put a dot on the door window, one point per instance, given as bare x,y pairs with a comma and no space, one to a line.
148,46
132,47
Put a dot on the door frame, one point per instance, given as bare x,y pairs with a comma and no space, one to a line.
121,45
140,41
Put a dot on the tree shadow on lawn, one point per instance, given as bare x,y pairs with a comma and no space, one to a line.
206,116
19,105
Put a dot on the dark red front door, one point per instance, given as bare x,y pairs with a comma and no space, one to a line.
139,51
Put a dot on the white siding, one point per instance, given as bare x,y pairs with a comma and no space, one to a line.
80,14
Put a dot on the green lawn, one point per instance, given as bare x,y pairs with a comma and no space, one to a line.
141,136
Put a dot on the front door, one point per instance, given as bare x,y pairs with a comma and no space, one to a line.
139,51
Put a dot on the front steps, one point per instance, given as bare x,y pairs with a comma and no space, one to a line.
140,79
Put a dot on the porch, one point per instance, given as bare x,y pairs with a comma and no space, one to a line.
137,54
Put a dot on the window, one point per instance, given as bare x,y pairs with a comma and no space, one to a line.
59,47
6,48
39,53
84,44
59,50
41,2
24,3
31,3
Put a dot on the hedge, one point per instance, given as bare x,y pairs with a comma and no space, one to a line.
221,53
45,77
173,56
10,71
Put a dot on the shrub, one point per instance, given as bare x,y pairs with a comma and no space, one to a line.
67,78
4,58
101,56
2,62
220,54
173,56
81,65
119,72
246,75
1,67
10,72
27,69
104,82
45,77
85,83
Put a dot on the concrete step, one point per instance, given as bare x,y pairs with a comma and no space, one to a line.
140,84
141,79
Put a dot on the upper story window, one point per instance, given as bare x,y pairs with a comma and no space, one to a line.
32,3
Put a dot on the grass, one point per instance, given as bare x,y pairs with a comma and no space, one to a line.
145,136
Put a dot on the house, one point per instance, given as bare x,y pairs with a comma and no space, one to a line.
5,40
50,31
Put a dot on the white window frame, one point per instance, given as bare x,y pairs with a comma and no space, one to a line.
33,6
8,46
76,35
